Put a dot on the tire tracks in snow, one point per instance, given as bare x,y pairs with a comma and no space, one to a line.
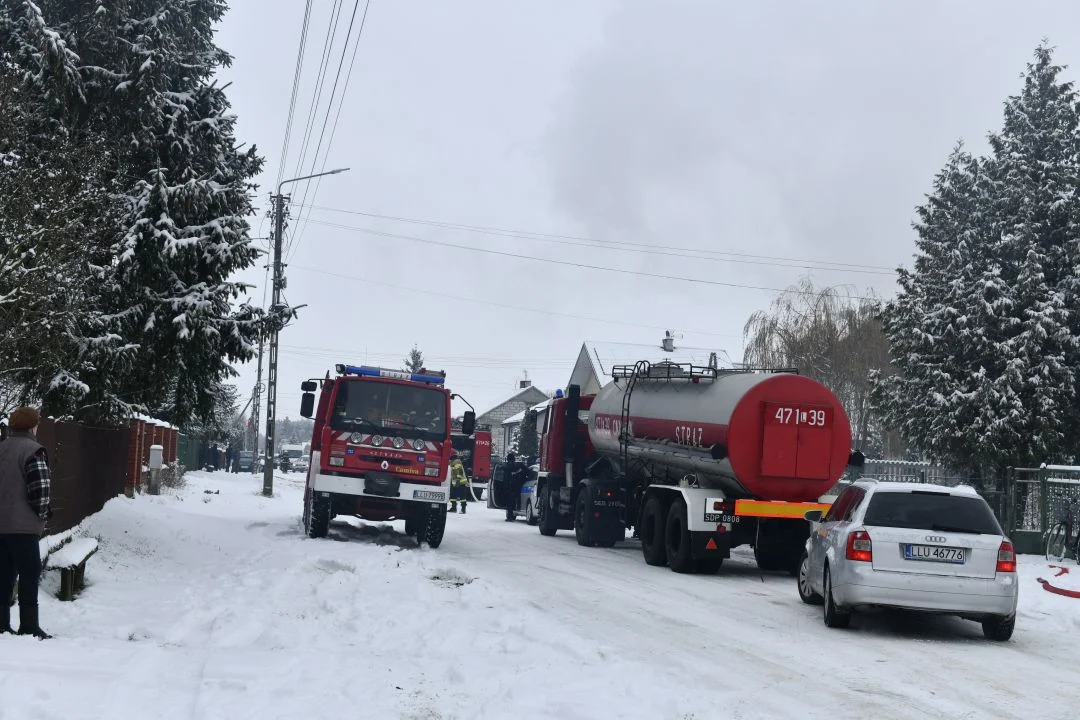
755,639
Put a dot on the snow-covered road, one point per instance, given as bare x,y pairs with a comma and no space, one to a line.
215,606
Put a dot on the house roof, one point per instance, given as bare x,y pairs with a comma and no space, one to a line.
520,417
596,359
521,396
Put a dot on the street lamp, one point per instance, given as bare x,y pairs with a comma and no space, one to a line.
271,382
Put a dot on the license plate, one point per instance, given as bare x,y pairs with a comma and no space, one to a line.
722,518
934,553
428,495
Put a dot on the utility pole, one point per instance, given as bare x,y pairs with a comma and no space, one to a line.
277,312
271,373
256,401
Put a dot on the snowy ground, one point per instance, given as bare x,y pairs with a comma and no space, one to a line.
215,606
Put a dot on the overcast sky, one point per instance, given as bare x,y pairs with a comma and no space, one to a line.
803,131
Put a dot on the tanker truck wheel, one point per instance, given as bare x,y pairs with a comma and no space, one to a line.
771,559
583,519
652,532
548,524
680,555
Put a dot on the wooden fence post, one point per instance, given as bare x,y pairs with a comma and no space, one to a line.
134,461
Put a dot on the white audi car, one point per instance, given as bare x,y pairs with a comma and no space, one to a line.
911,546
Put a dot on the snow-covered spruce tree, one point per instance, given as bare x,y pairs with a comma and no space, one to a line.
1035,171
981,332
943,327
185,188
415,361
528,445
52,197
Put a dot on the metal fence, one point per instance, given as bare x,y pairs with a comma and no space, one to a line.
1039,497
1027,501
992,489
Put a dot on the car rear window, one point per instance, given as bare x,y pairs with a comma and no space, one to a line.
931,511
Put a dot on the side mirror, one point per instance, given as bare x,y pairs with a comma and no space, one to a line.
813,516
468,423
307,404
309,386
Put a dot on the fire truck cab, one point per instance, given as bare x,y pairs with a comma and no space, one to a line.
380,449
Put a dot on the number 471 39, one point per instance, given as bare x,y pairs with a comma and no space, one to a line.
798,416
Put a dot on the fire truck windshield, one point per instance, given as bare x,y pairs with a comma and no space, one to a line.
405,409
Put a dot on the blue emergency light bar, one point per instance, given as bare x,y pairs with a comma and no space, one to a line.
367,371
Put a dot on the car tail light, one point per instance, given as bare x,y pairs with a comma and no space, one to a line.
859,546
1006,558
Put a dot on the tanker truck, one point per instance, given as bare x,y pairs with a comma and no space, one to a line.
695,460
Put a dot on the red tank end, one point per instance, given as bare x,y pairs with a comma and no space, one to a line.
789,439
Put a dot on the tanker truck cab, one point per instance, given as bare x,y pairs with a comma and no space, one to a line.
380,449
697,460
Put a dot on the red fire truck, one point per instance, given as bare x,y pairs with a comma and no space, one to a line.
475,452
380,449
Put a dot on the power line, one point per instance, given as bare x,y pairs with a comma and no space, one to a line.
505,306
448,358
320,78
295,89
585,266
330,101
313,112
434,361
543,236
302,225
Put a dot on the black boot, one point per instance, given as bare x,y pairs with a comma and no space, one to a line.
5,615
463,505
28,622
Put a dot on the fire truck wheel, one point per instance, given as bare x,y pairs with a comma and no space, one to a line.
317,515
680,556
652,531
584,527
411,526
434,527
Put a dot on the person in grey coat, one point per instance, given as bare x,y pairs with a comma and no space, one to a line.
25,506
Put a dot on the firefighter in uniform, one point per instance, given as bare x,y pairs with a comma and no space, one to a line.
459,484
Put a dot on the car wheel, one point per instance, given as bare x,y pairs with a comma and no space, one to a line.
999,628
834,616
806,593
530,514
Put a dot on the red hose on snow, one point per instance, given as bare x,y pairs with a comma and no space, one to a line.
1056,590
